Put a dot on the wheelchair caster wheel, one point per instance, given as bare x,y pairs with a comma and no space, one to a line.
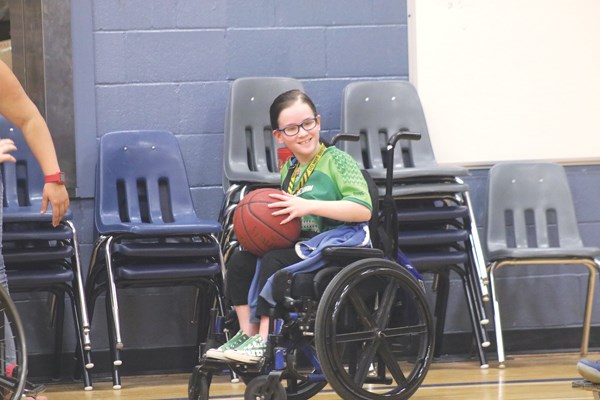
261,388
198,385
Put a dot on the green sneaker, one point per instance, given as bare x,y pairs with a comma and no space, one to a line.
251,352
232,343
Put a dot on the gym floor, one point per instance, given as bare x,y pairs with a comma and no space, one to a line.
525,377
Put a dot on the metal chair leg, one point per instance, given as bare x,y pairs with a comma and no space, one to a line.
85,322
497,321
478,252
481,339
82,357
442,281
476,285
478,305
593,267
112,293
115,354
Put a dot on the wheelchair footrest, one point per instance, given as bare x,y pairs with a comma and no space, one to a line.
211,365
585,385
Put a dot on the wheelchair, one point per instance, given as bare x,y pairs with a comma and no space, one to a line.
361,324
13,374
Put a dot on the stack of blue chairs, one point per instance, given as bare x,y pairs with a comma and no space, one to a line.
39,257
148,233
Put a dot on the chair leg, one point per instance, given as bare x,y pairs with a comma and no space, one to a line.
203,295
441,306
85,353
497,320
592,267
81,360
478,331
478,306
476,247
85,322
112,296
59,319
82,353
114,351
477,298
472,270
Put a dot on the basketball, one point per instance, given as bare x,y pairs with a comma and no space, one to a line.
257,230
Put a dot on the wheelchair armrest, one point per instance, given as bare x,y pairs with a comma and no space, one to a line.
349,254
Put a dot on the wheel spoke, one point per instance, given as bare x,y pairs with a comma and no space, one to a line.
362,312
7,383
405,331
386,353
353,337
370,335
365,359
387,301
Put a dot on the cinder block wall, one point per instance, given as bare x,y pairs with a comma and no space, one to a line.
168,64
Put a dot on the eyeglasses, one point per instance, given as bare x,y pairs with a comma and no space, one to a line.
292,130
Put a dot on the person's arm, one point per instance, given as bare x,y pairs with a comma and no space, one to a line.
18,108
341,210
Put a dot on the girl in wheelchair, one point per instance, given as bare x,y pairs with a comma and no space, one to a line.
321,185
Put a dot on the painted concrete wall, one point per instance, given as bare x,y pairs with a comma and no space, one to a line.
168,64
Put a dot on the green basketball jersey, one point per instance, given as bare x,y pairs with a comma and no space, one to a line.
335,177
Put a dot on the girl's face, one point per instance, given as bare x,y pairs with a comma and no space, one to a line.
305,144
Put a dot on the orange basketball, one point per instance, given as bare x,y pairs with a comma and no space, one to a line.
257,230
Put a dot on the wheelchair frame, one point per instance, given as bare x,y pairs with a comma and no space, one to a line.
373,331
12,377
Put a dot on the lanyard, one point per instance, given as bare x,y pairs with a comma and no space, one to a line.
307,173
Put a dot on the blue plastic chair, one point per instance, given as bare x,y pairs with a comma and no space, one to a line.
148,232
39,257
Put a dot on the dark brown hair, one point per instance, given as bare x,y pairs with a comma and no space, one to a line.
285,100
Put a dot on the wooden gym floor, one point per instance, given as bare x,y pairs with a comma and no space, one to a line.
526,377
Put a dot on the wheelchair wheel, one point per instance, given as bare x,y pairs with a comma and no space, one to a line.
199,384
13,370
257,390
374,332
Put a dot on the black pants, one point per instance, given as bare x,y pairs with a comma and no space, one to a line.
240,272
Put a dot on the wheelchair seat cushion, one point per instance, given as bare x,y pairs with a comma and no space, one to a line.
311,285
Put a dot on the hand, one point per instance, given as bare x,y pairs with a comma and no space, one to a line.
57,196
6,146
296,207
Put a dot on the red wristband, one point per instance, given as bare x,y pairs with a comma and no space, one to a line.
58,177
